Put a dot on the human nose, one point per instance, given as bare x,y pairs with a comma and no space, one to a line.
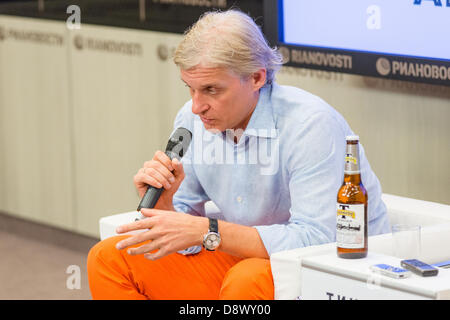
199,106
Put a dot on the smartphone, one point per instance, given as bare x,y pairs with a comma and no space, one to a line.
443,264
390,271
419,267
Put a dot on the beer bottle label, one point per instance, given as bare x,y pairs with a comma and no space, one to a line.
352,160
350,226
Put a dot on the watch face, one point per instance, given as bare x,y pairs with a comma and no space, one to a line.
211,241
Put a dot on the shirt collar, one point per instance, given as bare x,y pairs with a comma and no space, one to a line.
261,123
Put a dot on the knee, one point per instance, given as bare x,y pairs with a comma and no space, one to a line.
249,279
102,252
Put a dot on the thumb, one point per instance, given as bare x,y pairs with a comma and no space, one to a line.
178,168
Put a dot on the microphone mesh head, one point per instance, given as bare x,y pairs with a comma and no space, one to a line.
178,143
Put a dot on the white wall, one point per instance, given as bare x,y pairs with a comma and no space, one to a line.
78,120
123,106
403,126
35,156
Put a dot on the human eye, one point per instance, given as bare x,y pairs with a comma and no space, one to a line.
211,90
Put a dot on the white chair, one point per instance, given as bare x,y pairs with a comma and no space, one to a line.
286,265
109,224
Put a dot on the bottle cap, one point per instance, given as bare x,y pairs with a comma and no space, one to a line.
352,138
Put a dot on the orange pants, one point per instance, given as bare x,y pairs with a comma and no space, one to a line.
114,274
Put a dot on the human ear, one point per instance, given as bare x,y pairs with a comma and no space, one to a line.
259,79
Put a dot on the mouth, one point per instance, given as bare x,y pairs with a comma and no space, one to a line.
206,120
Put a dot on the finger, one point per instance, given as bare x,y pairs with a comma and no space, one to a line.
136,239
158,176
145,248
156,250
161,167
136,225
164,159
143,177
155,255
178,168
152,213
168,175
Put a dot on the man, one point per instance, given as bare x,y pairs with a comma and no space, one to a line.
270,157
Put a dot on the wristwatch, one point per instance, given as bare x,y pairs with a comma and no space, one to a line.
211,240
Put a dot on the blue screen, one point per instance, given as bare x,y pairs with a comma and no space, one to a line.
416,28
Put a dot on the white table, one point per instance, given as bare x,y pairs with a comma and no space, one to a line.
327,277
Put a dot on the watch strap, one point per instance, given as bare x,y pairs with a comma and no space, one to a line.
213,225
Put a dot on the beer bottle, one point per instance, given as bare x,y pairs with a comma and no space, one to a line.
351,220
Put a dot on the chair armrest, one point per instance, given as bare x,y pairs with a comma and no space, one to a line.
413,211
286,269
109,224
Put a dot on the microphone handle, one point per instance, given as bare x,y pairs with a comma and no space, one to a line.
150,198
152,194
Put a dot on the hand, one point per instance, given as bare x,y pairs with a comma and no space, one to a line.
160,172
170,231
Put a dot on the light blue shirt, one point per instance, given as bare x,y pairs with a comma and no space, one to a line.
283,175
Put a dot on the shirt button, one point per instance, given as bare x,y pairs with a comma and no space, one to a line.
239,199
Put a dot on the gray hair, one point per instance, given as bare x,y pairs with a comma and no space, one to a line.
229,39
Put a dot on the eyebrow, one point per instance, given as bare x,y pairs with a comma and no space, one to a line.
216,85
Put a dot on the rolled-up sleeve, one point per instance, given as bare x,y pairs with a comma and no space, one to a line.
315,165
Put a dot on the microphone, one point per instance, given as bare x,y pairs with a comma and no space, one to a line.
176,147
